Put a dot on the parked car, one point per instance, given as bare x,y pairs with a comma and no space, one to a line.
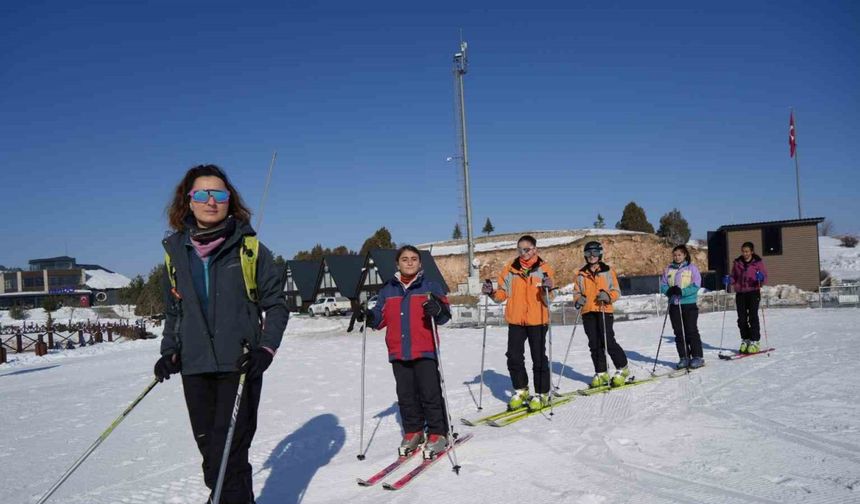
329,306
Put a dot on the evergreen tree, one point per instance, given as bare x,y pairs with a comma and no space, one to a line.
674,227
633,219
457,234
488,227
151,299
380,239
599,223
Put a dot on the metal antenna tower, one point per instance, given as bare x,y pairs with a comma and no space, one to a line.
460,68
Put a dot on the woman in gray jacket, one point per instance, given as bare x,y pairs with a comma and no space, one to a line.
219,282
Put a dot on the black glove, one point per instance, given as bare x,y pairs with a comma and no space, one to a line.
167,365
362,314
253,363
433,307
487,288
579,303
603,297
673,291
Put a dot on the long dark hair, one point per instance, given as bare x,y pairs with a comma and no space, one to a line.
178,210
686,251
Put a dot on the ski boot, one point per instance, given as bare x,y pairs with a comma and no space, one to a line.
435,444
538,401
744,346
683,363
697,362
753,347
411,442
620,377
600,380
518,399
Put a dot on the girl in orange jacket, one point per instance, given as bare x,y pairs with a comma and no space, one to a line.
595,289
525,283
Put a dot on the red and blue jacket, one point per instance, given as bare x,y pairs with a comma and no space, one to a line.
399,309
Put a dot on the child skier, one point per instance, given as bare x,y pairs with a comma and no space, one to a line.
748,275
595,289
404,307
680,283
525,283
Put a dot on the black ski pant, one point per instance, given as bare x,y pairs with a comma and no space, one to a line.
210,398
592,322
516,354
688,314
419,395
747,305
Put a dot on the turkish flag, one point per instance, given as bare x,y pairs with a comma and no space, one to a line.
792,140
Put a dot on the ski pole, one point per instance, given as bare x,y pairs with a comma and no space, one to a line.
483,352
98,441
444,391
725,308
219,485
660,341
605,339
683,333
764,323
360,455
566,353
549,333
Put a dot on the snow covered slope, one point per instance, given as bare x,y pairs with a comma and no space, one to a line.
841,262
778,429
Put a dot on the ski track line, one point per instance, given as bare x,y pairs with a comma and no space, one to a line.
809,440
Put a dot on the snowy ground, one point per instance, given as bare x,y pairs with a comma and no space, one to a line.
778,429
841,262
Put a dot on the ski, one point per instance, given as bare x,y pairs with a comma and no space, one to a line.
525,413
683,371
736,356
608,388
487,418
414,473
376,478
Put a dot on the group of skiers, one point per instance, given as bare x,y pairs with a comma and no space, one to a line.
220,280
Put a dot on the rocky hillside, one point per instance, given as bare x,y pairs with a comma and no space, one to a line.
630,253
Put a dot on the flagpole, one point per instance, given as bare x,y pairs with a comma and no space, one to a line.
796,165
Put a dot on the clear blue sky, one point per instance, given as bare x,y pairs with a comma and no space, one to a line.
572,111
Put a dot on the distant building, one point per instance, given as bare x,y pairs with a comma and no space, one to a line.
85,284
789,249
301,285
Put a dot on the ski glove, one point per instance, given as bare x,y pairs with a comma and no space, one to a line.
433,307
603,297
253,363
673,291
759,276
487,288
727,280
167,365
579,303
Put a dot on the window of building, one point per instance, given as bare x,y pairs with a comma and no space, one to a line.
771,238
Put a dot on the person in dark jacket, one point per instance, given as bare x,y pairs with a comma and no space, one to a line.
404,307
213,329
748,275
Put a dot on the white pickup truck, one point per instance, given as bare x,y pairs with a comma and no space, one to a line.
329,306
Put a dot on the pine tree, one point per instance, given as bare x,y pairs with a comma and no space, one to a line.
380,239
674,227
600,223
633,219
488,227
151,299
457,234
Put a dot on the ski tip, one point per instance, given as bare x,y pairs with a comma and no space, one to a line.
362,482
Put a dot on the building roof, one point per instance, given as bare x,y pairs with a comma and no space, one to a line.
385,262
306,275
345,270
812,221
53,259
93,267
